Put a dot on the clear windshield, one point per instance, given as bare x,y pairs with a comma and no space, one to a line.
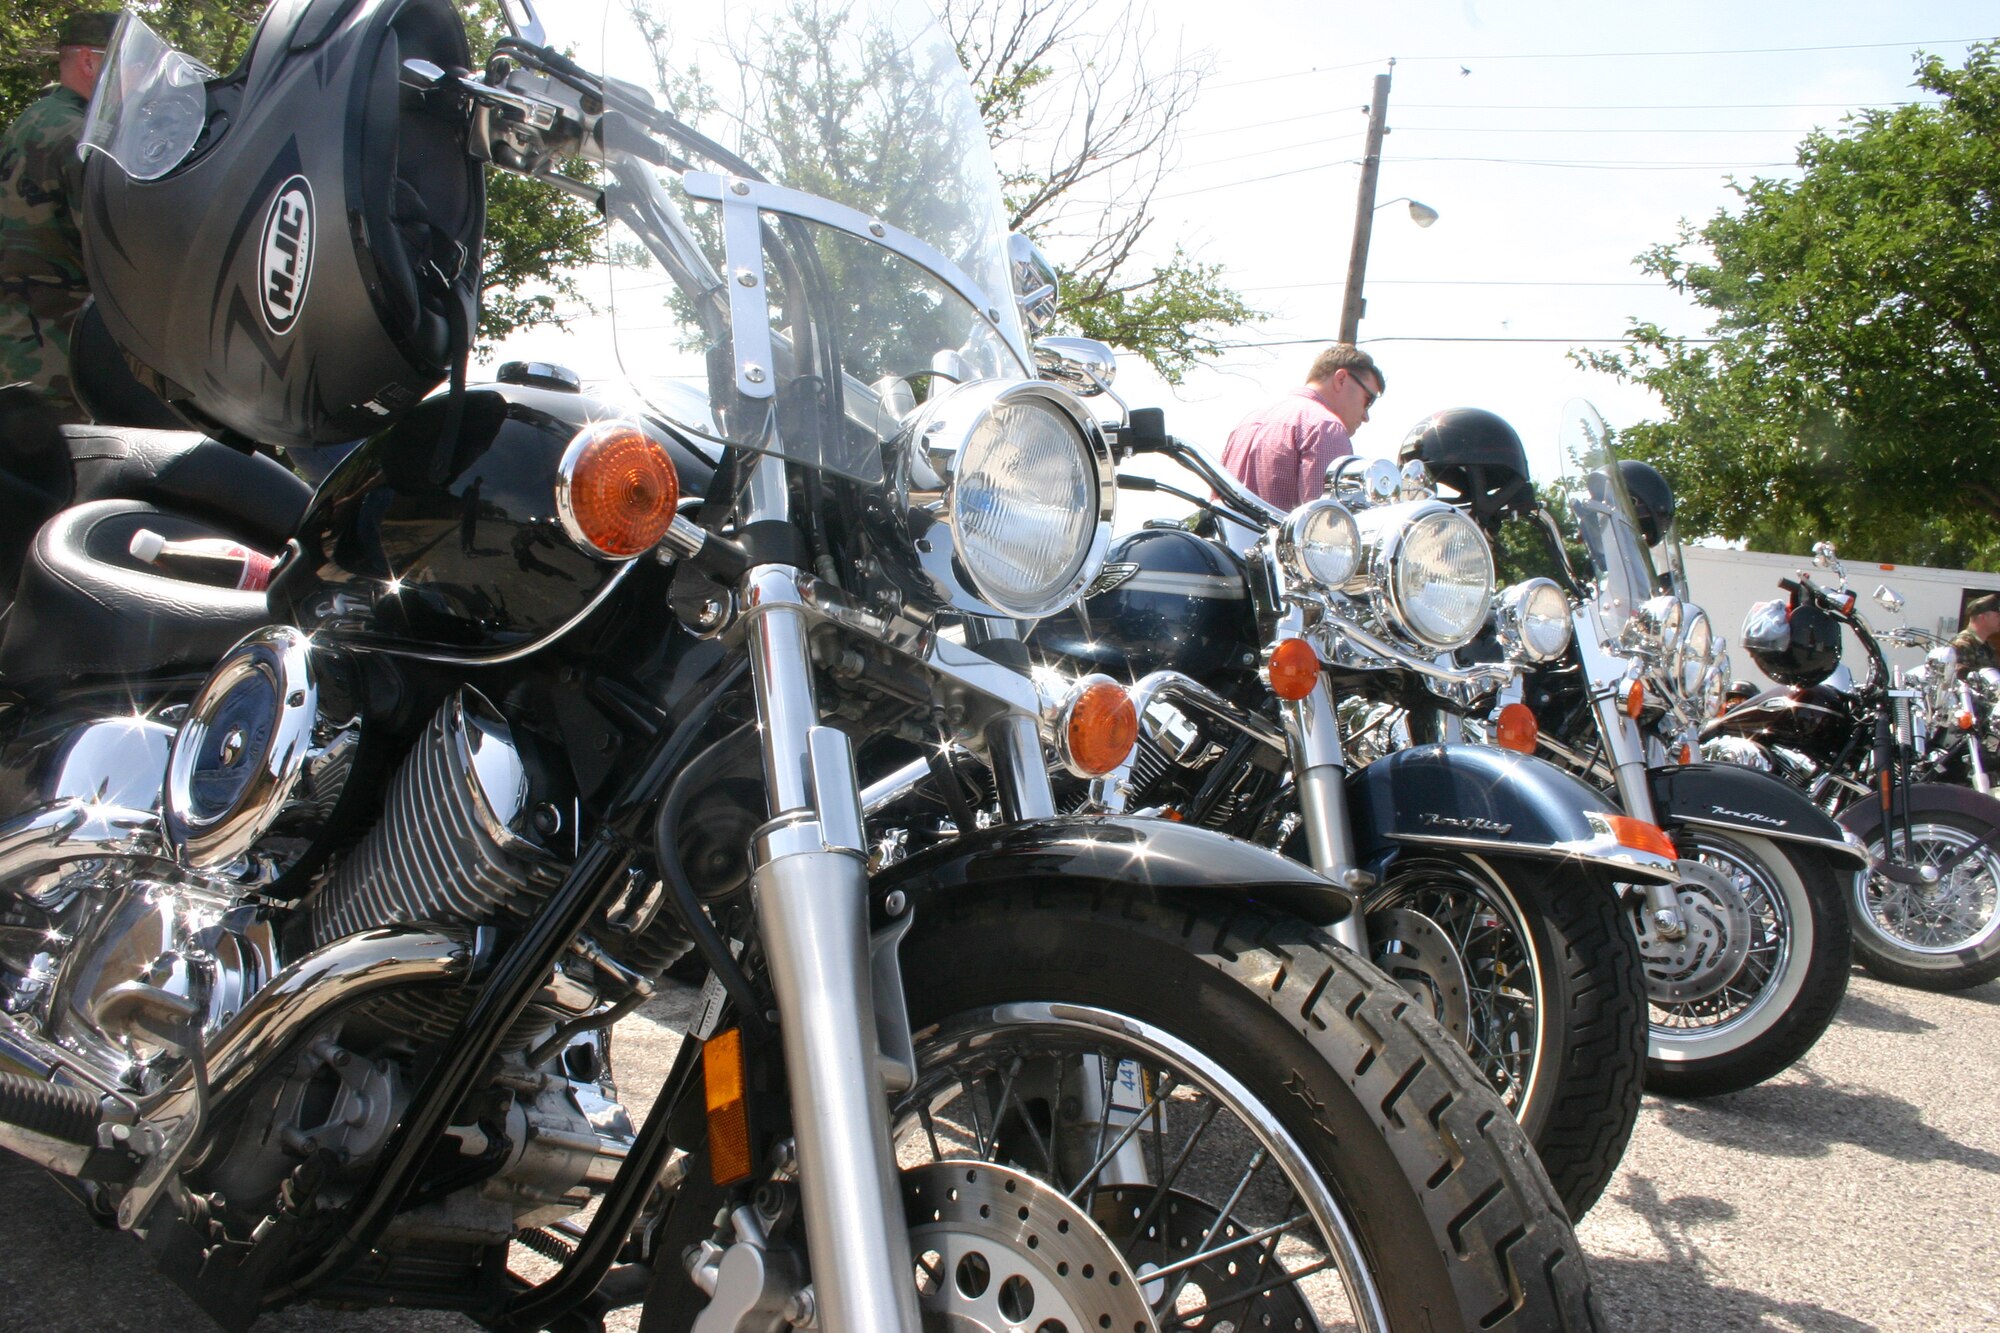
828,226
149,104
1621,562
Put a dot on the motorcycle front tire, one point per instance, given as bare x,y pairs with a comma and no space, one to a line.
1458,1223
1788,1007
1559,937
1959,956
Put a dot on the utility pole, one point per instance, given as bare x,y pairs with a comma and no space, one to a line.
1364,209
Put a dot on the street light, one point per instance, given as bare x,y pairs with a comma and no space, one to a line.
1353,305
1421,214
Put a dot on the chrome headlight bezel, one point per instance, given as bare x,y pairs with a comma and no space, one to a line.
1524,604
1385,535
926,466
1654,628
1314,534
1694,650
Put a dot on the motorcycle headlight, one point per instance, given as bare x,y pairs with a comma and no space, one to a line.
1697,645
1011,484
1320,544
1715,686
1655,625
1533,620
1437,573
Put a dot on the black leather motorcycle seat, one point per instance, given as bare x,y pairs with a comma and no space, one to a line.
87,611
248,496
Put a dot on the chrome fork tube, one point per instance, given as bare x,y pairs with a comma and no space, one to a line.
1625,752
1319,772
810,884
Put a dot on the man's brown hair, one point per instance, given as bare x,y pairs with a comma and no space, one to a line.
1347,357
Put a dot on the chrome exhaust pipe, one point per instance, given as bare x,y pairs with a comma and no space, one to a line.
296,1001
72,830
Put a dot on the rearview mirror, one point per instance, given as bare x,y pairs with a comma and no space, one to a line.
1890,600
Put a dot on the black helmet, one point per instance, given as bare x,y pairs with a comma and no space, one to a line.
311,269
1793,645
1478,456
1652,498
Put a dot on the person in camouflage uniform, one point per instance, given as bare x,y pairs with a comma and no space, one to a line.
42,284
1982,626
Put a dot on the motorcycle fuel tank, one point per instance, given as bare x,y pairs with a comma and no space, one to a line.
1167,598
474,565
1812,716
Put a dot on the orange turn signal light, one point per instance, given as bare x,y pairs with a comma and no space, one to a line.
1687,753
1635,699
1516,729
616,490
1641,836
1101,728
1965,719
728,1109
1292,669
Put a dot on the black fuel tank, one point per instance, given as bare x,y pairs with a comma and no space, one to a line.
475,565
1179,602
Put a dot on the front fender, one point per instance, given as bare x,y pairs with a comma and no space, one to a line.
1864,818
1480,797
1730,796
1115,851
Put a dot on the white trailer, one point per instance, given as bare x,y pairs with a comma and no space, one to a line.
1727,583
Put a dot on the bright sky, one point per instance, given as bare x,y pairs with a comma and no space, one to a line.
1556,140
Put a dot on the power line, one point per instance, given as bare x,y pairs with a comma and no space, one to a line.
1266,152
1592,129
1715,51
1457,282
1519,106
1253,180
1654,106
1600,164
1441,338
1470,58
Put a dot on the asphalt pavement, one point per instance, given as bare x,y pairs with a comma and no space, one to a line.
1857,1191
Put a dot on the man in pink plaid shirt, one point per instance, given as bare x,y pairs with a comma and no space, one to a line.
1283,451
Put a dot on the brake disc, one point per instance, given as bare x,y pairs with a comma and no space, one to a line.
1417,954
999,1251
1715,947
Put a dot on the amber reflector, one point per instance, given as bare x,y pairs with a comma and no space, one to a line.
1293,669
1516,729
616,490
1635,700
1641,836
1966,720
1687,753
1103,726
728,1112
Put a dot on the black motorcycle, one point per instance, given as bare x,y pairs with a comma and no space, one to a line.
316,902
1900,759
1485,879
1747,957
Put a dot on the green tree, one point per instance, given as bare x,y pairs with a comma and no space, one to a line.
1084,115
535,239
1852,392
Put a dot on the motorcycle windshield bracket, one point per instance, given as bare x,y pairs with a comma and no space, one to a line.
742,252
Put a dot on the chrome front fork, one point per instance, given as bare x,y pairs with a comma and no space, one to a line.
1319,773
809,880
1625,750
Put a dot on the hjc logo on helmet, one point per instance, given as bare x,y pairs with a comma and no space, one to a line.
285,265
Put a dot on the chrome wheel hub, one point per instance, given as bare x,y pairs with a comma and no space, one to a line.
999,1251
1717,942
